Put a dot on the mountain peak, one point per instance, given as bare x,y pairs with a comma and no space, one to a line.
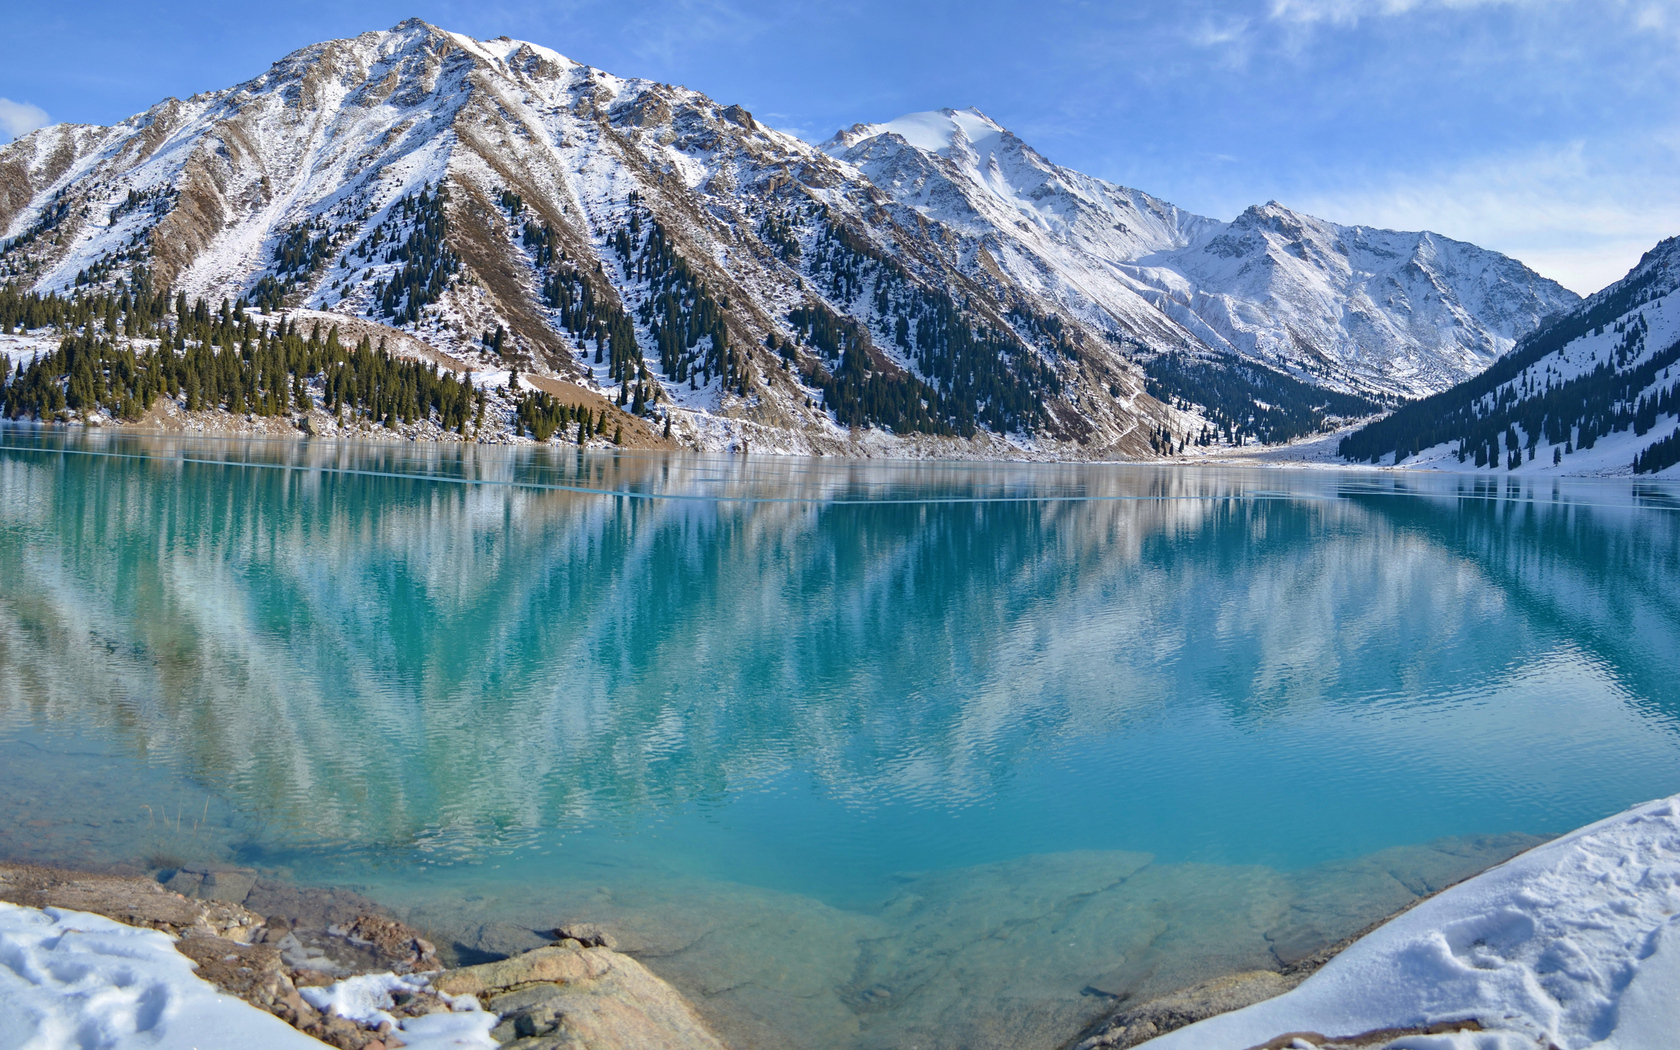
939,131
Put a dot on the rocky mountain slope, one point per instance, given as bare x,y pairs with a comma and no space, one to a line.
1593,391
1347,307
733,286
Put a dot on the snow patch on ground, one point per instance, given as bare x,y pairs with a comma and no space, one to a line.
72,979
367,1000
1574,944
68,978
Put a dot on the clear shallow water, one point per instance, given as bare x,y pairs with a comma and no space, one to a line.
857,754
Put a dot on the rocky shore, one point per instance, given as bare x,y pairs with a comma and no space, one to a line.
285,949
271,944
290,949
1133,1024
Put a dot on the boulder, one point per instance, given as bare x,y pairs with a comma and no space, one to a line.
556,963
588,934
573,997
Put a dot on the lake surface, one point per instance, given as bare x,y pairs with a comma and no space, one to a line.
855,754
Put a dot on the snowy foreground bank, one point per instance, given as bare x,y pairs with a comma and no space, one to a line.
1574,944
72,979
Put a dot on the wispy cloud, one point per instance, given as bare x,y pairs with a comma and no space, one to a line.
666,33
1349,12
1579,213
20,118
1210,32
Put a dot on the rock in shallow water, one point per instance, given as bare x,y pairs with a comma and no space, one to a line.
1132,1026
1012,955
580,998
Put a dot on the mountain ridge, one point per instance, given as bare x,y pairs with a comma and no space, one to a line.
1593,391
646,242
1274,286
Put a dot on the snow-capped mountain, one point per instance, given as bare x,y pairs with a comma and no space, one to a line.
1353,308
1591,392
931,286
615,232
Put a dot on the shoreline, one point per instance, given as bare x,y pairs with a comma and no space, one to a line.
891,450
738,437
339,968
319,948
297,937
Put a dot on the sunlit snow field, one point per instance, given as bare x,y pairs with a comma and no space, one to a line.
855,754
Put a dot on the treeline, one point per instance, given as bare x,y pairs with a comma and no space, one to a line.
14,256
303,248
982,375
428,264
542,415
1242,400
779,231
219,359
862,395
414,233
1660,456
687,322
1493,425
584,313
1481,413
132,309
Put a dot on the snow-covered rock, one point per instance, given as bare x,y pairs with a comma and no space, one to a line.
1574,945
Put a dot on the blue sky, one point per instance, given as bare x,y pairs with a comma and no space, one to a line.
1548,129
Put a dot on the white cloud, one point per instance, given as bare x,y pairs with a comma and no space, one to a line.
20,118
1211,33
1349,12
1580,215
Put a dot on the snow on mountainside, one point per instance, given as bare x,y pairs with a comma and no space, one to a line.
1592,392
1376,310
1352,308
1055,230
633,237
929,286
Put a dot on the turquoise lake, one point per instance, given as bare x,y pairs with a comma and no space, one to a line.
856,754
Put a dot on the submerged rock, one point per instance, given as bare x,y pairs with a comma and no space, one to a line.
128,899
1140,1023
580,998
588,934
